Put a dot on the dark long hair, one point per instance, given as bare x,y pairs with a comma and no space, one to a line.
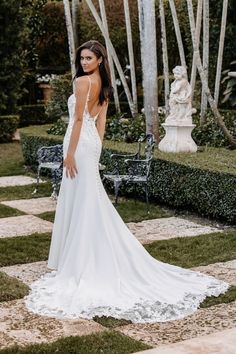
99,50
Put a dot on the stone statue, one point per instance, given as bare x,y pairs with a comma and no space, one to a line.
180,98
178,125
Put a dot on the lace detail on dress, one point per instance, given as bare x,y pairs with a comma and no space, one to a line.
44,301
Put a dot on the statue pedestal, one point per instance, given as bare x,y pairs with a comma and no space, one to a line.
178,138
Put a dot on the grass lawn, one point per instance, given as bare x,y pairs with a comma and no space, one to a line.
11,288
6,211
130,211
209,158
107,342
24,249
195,251
25,192
11,160
186,252
48,215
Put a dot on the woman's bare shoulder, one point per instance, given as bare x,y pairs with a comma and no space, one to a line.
82,83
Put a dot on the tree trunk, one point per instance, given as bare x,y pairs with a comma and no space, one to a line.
164,56
205,58
220,52
178,33
113,53
75,18
217,116
198,32
110,60
70,36
147,27
131,54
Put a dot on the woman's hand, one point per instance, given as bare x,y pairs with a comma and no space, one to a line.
70,165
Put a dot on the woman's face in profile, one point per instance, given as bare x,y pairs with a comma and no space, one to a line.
89,61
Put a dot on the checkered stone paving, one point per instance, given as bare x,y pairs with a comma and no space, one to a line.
23,225
165,228
10,181
32,206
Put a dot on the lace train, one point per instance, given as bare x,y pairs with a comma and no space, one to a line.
50,299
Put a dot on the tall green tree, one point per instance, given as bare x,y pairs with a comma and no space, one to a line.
13,36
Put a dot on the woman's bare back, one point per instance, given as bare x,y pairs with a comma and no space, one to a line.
93,106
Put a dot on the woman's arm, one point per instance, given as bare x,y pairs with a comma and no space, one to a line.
101,121
81,92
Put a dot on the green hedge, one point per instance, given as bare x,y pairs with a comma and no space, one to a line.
8,126
207,192
33,114
32,138
177,180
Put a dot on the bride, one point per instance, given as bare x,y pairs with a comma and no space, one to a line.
97,266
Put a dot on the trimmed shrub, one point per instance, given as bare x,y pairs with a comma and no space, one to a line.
32,140
181,185
209,193
33,114
8,126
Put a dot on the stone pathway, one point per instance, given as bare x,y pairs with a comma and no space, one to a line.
10,181
32,206
148,231
19,326
224,271
28,272
223,342
202,322
23,225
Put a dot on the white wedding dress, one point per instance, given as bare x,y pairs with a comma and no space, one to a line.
100,267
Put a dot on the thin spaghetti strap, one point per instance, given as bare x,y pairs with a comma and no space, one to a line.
88,90
99,112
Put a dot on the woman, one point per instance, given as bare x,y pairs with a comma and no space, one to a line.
100,267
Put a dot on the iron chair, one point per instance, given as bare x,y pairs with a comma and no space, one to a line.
51,157
136,167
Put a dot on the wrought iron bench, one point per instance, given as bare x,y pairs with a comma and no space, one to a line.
51,157
137,168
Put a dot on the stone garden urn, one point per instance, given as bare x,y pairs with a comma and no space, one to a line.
47,91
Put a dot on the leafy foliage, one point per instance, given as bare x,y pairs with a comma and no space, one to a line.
52,45
125,129
59,128
32,115
210,134
13,35
62,89
8,126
